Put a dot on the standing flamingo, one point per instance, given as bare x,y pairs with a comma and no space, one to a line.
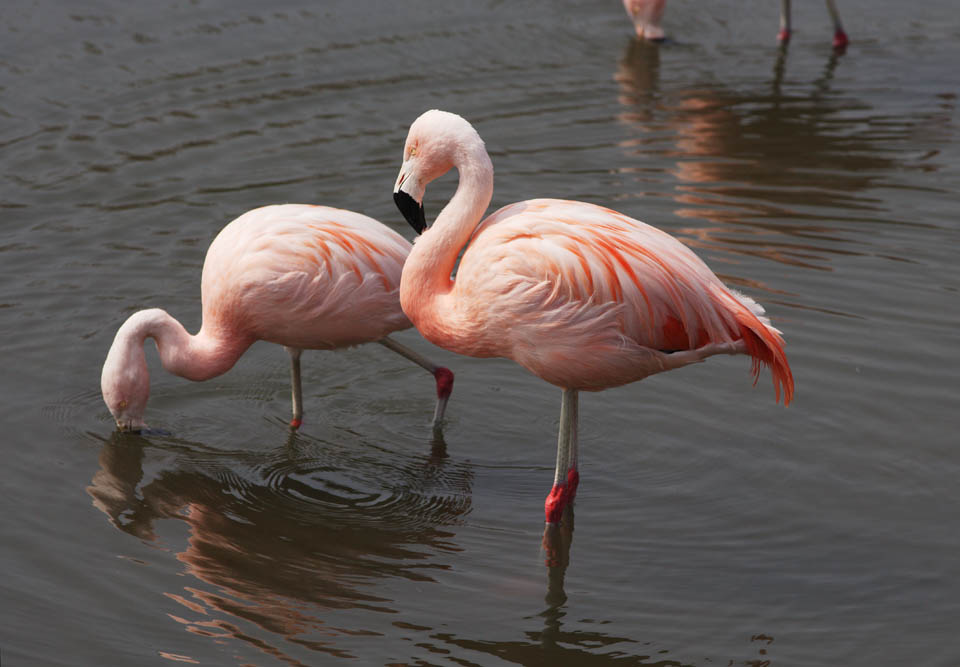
305,277
582,296
646,16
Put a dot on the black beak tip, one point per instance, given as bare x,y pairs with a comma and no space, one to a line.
412,210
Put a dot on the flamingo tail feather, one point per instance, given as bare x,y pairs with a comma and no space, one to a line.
764,345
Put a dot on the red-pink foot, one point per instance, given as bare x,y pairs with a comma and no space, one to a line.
840,41
561,495
783,36
444,377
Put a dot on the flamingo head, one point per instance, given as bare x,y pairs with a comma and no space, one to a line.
125,384
437,141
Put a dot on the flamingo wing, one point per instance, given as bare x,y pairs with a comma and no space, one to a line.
588,278
309,277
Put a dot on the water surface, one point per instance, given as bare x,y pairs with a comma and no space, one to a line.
713,527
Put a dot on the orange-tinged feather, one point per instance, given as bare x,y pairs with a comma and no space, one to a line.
765,346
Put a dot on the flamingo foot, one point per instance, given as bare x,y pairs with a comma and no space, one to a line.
561,496
840,41
444,377
783,36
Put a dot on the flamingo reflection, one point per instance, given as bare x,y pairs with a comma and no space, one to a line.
276,537
559,642
757,163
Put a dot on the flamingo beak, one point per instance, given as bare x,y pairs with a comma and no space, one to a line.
408,196
412,210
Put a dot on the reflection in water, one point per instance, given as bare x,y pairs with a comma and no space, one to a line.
277,536
555,645
771,166
557,540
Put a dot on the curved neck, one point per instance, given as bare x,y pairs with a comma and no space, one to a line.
199,357
428,269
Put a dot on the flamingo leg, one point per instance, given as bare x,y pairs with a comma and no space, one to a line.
840,39
566,477
443,376
784,34
296,391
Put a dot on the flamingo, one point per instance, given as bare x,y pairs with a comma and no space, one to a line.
646,16
305,277
581,296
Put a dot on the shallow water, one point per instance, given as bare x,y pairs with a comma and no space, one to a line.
713,527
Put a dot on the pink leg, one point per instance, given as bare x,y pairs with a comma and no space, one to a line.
784,35
566,478
840,39
295,390
443,376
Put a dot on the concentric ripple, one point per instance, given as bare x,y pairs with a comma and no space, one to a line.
307,520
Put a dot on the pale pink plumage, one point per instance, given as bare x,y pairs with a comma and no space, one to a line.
305,277
646,16
582,296
310,277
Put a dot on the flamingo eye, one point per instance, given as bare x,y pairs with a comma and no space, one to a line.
123,404
413,151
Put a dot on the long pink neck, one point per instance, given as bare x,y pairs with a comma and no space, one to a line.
199,357
426,285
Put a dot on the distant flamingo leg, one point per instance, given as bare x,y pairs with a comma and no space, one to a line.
295,388
784,35
840,39
443,376
566,477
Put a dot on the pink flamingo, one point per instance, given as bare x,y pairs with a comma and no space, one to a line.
646,16
305,277
582,296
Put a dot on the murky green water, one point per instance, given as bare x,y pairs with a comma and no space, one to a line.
713,527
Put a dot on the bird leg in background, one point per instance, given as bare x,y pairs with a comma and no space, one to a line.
443,376
840,39
295,389
566,477
784,35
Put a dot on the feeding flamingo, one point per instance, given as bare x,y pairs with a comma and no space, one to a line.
305,277
646,16
581,296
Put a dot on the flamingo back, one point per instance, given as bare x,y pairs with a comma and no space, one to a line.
590,279
310,277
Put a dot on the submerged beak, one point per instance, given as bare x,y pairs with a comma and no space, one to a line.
131,427
408,196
